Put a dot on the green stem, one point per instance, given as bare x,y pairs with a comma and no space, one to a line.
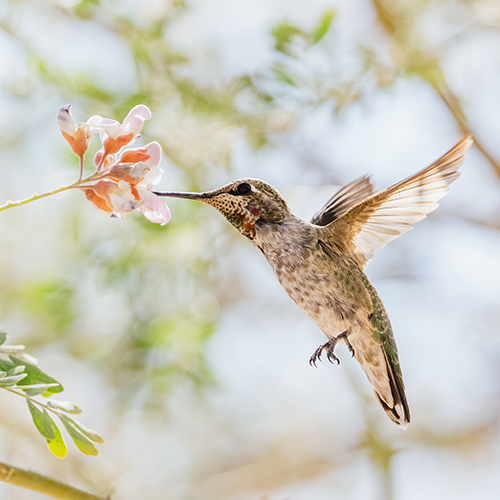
41,484
29,398
12,204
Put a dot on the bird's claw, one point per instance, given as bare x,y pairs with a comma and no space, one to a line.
317,355
331,356
330,348
350,347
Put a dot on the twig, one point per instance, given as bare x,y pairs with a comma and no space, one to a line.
41,484
398,25
453,104
78,183
34,401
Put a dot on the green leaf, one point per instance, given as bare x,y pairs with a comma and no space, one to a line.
33,376
44,387
3,374
17,370
42,421
3,337
57,446
9,381
82,442
93,436
64,406
323,26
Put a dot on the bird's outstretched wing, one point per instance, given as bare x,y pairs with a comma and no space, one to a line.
343,200
372,223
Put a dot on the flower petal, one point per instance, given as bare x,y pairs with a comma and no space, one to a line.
77,136
132,173
104,187
114,136
154,151
149,154
122,205
99,200
134,121
103,126
108,161
141,111
119,196
112,146
65,120
152,178
154,208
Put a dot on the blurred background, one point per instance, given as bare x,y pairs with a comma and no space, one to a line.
177,341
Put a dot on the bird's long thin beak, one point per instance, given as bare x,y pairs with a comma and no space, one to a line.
177,194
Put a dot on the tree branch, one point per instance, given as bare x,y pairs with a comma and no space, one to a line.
453,104
41,484
397,22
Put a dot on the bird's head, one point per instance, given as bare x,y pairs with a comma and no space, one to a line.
242,203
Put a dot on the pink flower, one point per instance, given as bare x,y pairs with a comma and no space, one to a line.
114,136
119,198
135,164
122,183
78,136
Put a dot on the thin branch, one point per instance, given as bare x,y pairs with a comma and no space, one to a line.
34,401
453,104
12,204
41,484
396,21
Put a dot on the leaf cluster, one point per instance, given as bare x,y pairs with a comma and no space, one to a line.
20,375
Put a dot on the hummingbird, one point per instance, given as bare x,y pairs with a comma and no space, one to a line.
321,263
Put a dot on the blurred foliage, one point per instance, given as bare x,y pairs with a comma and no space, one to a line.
50,305
284,33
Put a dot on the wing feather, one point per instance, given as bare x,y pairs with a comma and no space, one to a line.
343,200
372,223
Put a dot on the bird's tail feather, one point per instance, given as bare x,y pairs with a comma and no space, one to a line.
380,363
399,411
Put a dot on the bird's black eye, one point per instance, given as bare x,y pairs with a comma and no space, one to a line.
243,188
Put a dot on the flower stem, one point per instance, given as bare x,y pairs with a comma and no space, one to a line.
41,484
12,204
81,168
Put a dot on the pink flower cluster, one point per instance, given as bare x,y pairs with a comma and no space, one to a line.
123,179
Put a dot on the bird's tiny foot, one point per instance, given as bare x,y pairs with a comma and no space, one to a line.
344,336
330,347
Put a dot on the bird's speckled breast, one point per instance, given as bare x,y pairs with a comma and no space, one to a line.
327,285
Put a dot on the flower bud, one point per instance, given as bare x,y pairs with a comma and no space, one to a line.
78,136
